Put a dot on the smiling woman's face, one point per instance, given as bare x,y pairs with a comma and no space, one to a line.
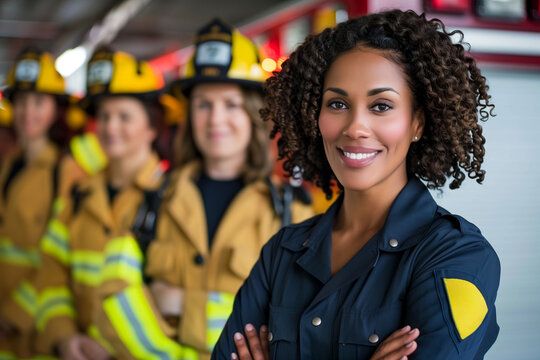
221,126
123,126
33,113
367,121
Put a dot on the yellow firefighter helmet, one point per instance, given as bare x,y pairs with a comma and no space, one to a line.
34,71
222,54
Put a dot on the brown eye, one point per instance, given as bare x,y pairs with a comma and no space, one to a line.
233,105
337,105
203,105
125,117
381,107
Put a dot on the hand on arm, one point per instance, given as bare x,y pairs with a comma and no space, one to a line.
396,347
169,299
82,347
257,344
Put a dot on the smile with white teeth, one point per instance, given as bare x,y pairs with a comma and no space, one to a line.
359,156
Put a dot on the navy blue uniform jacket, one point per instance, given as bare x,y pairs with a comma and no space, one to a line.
426,268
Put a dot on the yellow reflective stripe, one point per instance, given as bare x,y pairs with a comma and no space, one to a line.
123,260
53,302
14,255
218,308
133,319
57,207
189,353
25,295
88,153
55,242
467,305
86,267
94,332
4,355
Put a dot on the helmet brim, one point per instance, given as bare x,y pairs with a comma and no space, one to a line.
89,102
186,85
9,93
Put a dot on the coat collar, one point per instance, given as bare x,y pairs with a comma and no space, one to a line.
187,209
409,218
46,158
185,205
149,177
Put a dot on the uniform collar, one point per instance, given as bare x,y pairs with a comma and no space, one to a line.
46,157
185,205
316,245
409,218
147,178
192,170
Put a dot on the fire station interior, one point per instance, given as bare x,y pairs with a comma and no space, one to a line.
505,39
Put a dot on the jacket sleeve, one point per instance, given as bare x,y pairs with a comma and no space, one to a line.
55,314
451,298
251,304
127,319
20,308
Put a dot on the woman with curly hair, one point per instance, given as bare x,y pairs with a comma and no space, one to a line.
376,104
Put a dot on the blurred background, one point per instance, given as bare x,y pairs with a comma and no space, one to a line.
505,39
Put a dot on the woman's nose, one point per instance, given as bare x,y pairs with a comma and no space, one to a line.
217,114
357,126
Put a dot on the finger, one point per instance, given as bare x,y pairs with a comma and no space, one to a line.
399,332
265,343
401,353
241,347
395,344
76,350
392,342
254,343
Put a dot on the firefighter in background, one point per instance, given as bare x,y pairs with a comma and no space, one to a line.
7,134
219,210
123,95
32,176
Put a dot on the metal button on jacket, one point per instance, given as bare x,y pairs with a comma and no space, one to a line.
393,243
198,259
270,336
316,321
373,338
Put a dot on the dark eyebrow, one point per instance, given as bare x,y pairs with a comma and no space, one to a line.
380,90
369,93
337,90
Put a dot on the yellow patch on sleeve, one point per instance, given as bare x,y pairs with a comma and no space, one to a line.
467,305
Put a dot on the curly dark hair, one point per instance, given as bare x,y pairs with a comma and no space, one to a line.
445,81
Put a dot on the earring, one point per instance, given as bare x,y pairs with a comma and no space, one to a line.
415,138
